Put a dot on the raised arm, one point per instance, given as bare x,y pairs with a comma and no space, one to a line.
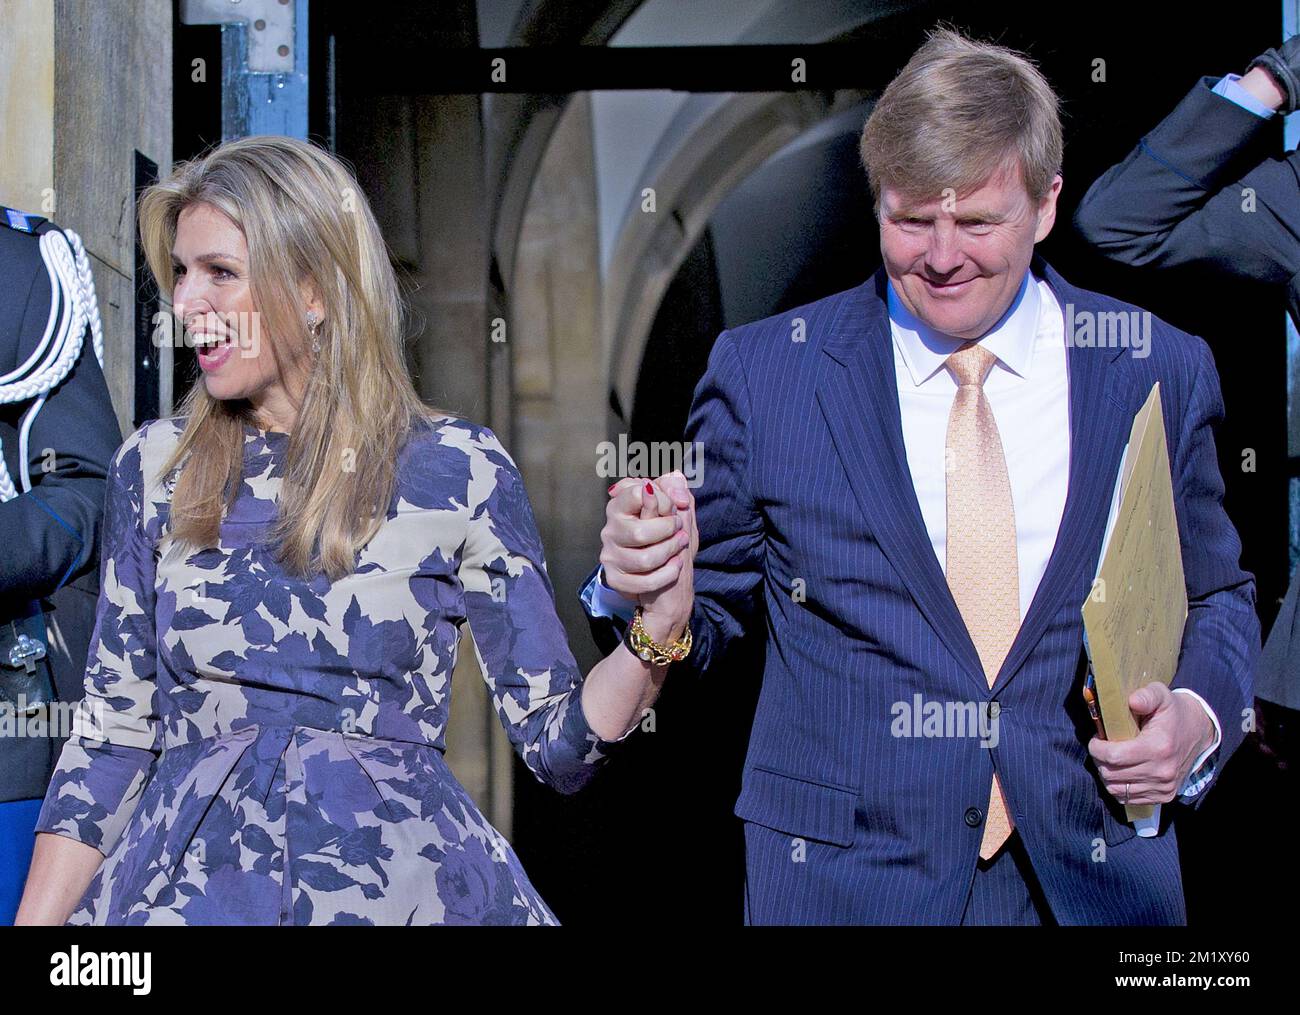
1203,187
728,567
562,727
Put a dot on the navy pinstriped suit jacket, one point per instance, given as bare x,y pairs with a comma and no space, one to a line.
806,478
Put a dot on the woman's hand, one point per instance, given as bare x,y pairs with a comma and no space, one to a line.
648,548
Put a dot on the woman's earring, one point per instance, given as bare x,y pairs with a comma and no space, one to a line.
314,325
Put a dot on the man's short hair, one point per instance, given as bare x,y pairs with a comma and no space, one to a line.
955,115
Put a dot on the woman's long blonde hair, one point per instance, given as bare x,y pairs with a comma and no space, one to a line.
305,220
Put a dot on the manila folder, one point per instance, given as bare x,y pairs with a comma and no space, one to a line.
1134,618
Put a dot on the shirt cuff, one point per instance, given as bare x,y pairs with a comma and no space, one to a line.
1204,767
605,601
1227,87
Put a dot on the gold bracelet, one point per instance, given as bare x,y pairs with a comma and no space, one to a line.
645,647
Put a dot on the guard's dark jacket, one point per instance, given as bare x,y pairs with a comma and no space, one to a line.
1181,197
49,536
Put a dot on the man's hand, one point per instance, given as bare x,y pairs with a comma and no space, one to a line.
648,549
1152,767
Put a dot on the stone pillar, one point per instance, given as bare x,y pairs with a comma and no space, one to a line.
84,88
419,160
27,106
559,384
452,368
112,96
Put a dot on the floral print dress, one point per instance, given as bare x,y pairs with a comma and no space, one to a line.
258,749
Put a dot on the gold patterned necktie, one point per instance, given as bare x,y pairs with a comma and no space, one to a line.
982,568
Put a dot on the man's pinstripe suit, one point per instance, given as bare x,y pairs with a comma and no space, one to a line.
806,487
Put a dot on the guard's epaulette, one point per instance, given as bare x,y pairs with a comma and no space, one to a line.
20,220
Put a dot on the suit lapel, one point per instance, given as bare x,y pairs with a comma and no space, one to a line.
1100,420
858,395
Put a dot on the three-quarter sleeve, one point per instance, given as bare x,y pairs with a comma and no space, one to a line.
115,734
522,647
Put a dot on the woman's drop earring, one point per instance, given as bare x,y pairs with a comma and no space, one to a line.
313,325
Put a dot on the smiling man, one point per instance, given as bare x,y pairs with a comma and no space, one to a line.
909,506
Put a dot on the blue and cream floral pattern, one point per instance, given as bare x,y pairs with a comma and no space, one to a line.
258,749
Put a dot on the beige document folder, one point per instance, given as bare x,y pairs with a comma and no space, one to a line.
1133,620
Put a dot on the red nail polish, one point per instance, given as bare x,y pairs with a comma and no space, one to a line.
650,488
612,485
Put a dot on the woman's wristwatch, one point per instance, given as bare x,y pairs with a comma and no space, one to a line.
644,647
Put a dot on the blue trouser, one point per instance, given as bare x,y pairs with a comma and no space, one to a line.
17,832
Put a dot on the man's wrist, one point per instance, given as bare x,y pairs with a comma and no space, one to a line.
600,579
1202,765
1263,87
1209,730
1275,63
604,601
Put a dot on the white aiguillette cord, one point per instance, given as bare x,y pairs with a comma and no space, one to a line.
73,305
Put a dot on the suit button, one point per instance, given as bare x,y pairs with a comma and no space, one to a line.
995,708
974,816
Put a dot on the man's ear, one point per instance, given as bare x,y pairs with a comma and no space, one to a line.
1047,209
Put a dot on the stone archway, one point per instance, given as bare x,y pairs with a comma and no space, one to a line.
729,139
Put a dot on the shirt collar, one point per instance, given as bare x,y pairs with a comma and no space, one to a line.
1011,340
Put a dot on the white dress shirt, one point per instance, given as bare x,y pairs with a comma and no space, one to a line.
1028,390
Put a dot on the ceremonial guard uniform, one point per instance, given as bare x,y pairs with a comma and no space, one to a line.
58,433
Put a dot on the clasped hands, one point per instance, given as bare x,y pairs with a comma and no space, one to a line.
648,548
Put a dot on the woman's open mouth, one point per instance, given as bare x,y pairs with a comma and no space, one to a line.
213,350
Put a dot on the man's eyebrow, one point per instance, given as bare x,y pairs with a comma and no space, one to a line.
916,212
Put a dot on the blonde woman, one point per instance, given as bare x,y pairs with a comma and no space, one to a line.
285,568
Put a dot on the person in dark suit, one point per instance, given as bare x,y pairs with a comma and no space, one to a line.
906,492
58,432
1204,187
